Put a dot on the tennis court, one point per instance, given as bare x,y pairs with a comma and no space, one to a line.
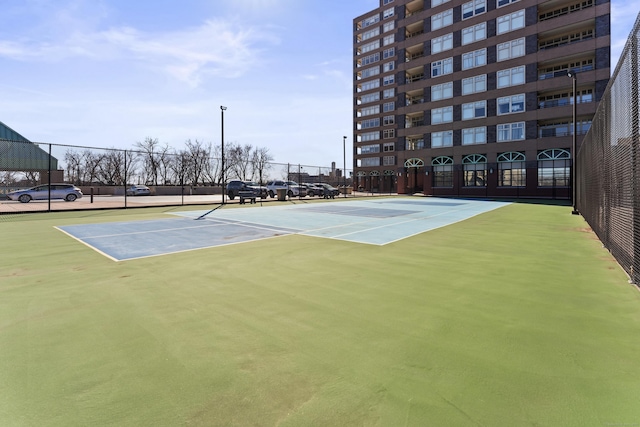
374,222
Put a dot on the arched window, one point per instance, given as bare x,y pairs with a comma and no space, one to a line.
475,170
512,171
413,163
442,171
374,173
554,168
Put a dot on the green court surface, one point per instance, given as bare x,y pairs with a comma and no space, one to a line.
514,317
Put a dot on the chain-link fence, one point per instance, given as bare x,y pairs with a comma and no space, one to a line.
607,165
115,178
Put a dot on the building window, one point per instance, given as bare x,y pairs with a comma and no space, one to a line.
371,97
369,149
389,160
388,133
511,132
474,59
389,146
474,33
474,84
388,53
388,120
442,115
369,72
388,26
370,34
442,67
435,3
442,43
368,111
371,84
388,39
511,77
511,22
442,139
474,110
370,59
511,104
370,123
388,93
368,136
512,171
442,19
388,13
511,49
475,170
442,91
554,168
501,3
473,8
369,21
388,66
442,171
369,161
386,2
472,136
369,47
388,80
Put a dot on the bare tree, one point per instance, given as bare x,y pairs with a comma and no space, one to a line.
240,161
149,153
198,156
90,165
261,160
73,161
111,170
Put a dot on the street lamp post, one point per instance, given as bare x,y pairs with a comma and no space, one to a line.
344,167
222,110
574,151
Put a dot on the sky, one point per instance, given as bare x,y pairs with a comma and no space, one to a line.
111,73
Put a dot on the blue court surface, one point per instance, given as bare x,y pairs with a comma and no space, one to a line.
378,221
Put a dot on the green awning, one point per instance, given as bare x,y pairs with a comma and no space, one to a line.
19,154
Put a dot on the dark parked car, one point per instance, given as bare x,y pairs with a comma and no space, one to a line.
138,190
68,192
235,186
329,190
313,190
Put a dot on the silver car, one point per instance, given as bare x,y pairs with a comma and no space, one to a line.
138,190
68,192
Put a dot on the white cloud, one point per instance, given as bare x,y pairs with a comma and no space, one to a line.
215,48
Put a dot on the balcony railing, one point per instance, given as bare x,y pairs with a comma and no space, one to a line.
415,100
415,78
563,72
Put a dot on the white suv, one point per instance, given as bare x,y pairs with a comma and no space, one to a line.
292,187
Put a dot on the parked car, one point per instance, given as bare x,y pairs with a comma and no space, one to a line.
292,187
328,189
234,187
68,192
313,190
138,190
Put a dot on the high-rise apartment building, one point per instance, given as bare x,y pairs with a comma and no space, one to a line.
475,98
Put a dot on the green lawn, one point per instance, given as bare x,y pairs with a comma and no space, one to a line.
517,317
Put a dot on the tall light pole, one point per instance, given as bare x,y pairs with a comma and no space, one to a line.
224,189
344,168
574,151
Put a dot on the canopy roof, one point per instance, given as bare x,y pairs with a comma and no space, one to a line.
19,154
